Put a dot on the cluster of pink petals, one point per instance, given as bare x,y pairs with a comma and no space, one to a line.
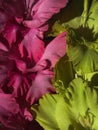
26,63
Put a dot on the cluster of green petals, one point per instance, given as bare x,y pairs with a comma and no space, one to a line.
74,108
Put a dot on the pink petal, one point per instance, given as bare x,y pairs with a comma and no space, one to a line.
15,81
3,20
13,7
3,47
33,44
44,12
4,66
28,115
10,33
3,74
8,111
29,3
25,108
19,83
8,103
41,85
21,65
19,20
53,52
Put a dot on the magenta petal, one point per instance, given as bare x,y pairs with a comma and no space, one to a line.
8,103
41,85
10,33
29,3
3,74
15,82
21,65
33,44
53,52
28,115
19,20
19,83
8,108
3,47
4,66
55,49
13,7
3,20
44,12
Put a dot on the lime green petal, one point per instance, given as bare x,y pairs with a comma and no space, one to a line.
93,16
46,112
84,60
76,110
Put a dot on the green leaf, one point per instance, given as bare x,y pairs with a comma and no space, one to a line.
76,110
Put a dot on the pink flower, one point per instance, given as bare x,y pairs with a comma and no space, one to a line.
22,48
19,72
10,113
33,14
53,52
26,65
42,11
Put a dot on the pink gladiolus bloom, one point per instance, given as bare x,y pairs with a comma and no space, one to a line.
10,115
26,63
20,72
42,11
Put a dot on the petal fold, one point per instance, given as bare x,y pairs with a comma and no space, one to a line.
41,85
43,11
33,45
53,52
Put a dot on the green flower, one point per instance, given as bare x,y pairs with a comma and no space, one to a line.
75,108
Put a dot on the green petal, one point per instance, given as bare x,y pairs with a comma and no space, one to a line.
76,110
84,59
46,112
64,71
93,17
